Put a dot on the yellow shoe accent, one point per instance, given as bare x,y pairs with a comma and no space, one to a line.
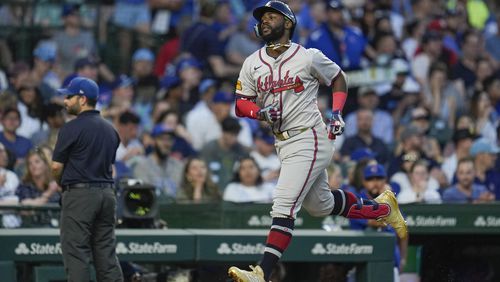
239,275
395,218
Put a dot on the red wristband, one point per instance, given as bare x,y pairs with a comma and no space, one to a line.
339,99
246,108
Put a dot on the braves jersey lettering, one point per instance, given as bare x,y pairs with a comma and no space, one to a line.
291,82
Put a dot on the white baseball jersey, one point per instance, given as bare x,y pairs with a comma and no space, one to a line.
290,82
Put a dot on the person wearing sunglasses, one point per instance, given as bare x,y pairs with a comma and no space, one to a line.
82,165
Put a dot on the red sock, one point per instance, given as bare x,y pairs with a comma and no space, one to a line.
348,205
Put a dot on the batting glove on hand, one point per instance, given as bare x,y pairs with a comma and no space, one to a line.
270,113
337,125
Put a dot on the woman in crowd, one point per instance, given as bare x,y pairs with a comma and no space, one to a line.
197,185
247,184
37,186
422,187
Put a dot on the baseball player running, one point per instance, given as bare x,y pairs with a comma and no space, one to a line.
279,84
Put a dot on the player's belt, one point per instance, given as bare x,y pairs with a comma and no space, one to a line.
285,135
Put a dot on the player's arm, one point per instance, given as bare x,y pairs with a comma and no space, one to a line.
246,107
339,92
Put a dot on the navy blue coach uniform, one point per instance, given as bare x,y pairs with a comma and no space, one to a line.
82,165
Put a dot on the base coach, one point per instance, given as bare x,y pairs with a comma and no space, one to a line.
82,165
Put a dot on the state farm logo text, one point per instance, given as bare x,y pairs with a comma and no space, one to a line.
240,249
145,248
38,249
341,249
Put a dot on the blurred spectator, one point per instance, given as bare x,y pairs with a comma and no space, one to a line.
484,154
206,91
8,185
171,91
55,118
412,140
482,113
492,87
422,120
189,70
382,128
493,41
73,42
11,14
465,190
242,43
355,175
37,186
364,137
170,50
247,185
30,105
404,94
145,82
11,121
182,147
335,177
374,183
462,138
441,95
224,23
264,153
122,96
340,42
201,34
384,7
465,70
367,20
204,126
134,19
197,185
386,49
415,29
453,26
484,69
431,51
220,154
418,186
127,126
42,74
18,74
158,168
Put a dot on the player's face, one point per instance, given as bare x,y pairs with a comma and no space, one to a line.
272,26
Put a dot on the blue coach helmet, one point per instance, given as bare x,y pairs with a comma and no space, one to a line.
278,7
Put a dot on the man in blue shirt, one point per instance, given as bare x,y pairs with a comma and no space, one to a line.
82,165
465,190
341,43
11,120
375,183
485,155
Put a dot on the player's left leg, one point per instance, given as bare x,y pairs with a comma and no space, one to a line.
321,201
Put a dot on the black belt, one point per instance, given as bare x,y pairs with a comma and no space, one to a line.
88,185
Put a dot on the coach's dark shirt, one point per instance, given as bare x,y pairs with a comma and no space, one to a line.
87,148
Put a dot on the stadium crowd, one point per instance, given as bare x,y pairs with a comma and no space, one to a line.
424,97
